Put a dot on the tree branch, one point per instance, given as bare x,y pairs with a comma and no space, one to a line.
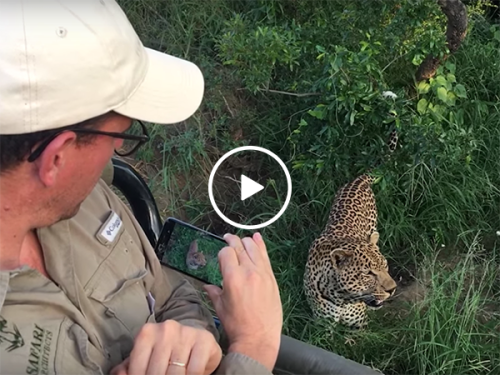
456,29
297,94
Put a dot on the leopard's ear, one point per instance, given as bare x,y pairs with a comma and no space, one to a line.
374,238
341,258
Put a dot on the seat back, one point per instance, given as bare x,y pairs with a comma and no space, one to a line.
138,195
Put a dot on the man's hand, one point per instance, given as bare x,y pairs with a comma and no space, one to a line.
249,306
171,348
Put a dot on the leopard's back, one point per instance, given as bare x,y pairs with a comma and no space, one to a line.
354,211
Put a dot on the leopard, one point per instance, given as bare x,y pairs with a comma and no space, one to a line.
195,259
346,273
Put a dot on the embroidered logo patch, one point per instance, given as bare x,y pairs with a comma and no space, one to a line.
112,227
10,335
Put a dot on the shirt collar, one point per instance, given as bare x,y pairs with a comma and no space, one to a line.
58,255
5,277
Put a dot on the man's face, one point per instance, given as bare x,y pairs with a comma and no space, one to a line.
83,168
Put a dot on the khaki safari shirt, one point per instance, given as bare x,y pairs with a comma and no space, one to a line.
107,283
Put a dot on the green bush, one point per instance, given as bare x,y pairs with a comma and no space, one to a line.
328,65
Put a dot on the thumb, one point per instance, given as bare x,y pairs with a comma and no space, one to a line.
214,293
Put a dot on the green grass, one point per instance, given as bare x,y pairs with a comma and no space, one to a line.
437,215
448,330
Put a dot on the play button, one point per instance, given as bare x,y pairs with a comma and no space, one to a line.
249,187
236,179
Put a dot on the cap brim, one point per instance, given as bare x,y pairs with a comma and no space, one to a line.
171,92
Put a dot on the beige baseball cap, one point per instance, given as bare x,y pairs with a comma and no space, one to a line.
65,61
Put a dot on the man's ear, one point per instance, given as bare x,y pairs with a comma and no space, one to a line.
54,157
341,258
374,238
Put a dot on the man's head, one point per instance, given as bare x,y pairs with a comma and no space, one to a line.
54,171
73,77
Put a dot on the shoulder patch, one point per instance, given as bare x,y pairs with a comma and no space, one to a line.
10,337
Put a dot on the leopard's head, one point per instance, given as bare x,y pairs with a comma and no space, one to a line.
361,272
196,260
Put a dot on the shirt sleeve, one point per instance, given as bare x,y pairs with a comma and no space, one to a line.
183,304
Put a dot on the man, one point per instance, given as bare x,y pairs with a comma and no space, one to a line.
81,290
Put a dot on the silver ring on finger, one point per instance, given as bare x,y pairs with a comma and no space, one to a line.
175,363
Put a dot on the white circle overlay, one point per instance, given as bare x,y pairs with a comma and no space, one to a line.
211,193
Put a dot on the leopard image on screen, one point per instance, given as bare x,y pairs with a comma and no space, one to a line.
194,253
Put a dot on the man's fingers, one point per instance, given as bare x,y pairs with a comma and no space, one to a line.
227,259
166,349
139,357
158,362
235,242
179,359
253,251
257,237
121,369
214,293
259,241
200,355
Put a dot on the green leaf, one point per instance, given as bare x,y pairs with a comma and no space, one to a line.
442,94
459,117
320,49
451,78
497,35
319,112
460,91
422,106
451,98
351,117
423,87
297,164
450,66
417,60
323,130
337,63
441,81
439,109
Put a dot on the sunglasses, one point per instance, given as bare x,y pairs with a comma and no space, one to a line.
131,141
